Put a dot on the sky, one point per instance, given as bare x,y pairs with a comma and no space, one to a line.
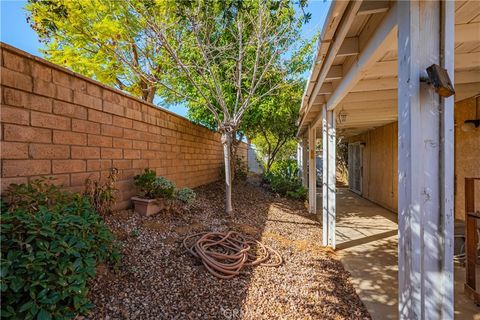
15,31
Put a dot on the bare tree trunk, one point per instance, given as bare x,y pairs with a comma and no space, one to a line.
227,143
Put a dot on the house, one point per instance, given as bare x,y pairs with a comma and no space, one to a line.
410,149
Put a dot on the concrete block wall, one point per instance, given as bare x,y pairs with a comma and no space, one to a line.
59,124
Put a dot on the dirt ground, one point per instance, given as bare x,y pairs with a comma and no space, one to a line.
158,279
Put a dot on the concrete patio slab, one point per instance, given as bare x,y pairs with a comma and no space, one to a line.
367,245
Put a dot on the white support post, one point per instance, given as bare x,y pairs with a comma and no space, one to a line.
305,162
312,168
300,166
329,177
425,162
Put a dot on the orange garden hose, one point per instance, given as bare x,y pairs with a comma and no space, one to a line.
224,254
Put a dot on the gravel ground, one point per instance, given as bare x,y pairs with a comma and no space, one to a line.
158,279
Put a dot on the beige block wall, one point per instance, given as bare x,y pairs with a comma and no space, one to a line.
380,161
60,124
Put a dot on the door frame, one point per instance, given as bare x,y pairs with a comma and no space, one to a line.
360,169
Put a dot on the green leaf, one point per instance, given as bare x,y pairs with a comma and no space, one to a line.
16,283
44,315
27,306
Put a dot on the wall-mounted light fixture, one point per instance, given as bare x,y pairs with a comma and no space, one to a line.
438,78
472,124
342,116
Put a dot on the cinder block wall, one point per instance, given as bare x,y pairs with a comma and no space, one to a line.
59,124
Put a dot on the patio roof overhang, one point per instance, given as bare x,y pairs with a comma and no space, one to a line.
370,70
355,67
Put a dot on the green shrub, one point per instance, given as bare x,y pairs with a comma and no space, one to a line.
153,187
185,195
52,242
283,179
299,193
164,187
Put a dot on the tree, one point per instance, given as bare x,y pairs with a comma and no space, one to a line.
99,39
225,56
272,127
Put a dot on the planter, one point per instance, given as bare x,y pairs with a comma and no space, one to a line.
147,207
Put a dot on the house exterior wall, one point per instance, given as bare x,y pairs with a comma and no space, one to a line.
380,155
467,155
379,177
59,124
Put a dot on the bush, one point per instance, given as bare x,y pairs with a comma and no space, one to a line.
185,195
102,196
153,187
164,187
283,179
52,242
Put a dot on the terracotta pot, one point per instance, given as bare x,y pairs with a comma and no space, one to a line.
147,207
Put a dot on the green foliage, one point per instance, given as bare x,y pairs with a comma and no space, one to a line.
153,187
51,244
283,179
300,193
164,187
102,196
241,169
35,194
272,128
179,50
185,195
135,233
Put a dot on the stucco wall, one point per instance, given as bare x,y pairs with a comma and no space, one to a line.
60,124
380,160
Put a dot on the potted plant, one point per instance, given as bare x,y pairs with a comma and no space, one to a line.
155,193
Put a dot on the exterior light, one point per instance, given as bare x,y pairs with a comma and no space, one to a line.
472,124
439,79
342,116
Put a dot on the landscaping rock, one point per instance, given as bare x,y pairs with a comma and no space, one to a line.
158,279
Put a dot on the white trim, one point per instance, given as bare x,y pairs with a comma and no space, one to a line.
379,44
340,34
312,171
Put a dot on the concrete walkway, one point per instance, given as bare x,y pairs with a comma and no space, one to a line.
367,245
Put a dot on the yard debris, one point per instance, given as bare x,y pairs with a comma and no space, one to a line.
224,254
159,280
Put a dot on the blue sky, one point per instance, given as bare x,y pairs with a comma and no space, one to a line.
16,31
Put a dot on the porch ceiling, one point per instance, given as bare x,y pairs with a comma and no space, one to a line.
356,68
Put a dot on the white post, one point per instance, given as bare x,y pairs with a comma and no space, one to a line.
324,176
329,177
305,162
332,177
300,166
312,174
425,163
